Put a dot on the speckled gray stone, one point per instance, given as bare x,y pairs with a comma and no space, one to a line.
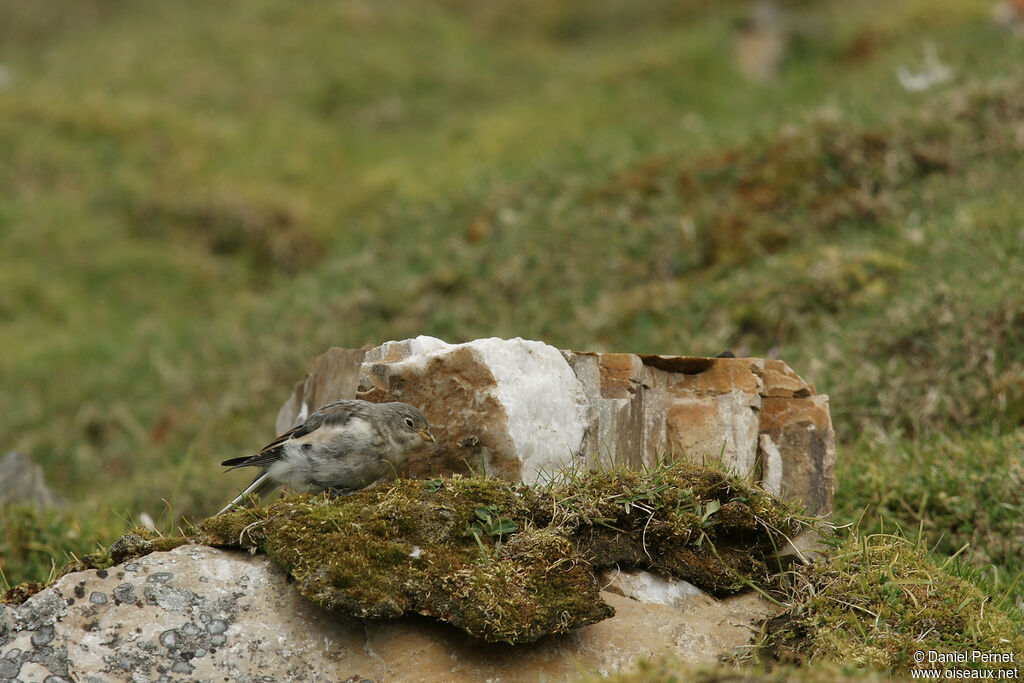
246,623
164,624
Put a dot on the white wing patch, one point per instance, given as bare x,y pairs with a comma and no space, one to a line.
355,428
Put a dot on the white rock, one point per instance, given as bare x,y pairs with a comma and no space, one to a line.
547,410
516,402
648,588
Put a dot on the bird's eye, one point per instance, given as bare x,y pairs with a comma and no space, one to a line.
409,422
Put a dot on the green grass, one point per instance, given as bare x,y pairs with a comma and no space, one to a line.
196,199
878,600
953,494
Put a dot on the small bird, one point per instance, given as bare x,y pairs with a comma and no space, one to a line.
344,446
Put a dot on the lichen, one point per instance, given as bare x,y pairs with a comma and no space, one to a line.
508,562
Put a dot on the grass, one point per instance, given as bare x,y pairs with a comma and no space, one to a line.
878,600
925,491
864,614
197,199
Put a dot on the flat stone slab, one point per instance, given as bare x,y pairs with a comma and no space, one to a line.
197,613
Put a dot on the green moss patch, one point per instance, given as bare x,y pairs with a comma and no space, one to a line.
878,600
412,547
509,562
697,524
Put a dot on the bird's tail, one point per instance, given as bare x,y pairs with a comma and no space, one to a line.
261,485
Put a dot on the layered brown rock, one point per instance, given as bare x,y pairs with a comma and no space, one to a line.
520,410
798,449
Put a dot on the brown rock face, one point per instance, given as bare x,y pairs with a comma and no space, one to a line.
521,410
469,415
799,449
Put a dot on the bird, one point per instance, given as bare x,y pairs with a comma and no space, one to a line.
342,447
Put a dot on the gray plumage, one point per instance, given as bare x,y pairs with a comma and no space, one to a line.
343,446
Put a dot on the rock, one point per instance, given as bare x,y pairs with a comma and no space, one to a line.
709,628
760,42
191,614
22,483
522,410
197,613
799,449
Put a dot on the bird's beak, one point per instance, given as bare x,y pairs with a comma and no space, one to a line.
427,436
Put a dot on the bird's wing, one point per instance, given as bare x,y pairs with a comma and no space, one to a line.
332,415
269,454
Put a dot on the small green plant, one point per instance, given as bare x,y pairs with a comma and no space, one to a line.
489,522
707,511
640,499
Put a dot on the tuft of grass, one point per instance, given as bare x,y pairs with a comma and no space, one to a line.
953,493
876,600
38,545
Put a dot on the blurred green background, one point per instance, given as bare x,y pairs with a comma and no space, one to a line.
197,198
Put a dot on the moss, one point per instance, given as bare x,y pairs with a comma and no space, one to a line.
411,547
697,524
15,595
509,562
139,543
505,562
879,599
